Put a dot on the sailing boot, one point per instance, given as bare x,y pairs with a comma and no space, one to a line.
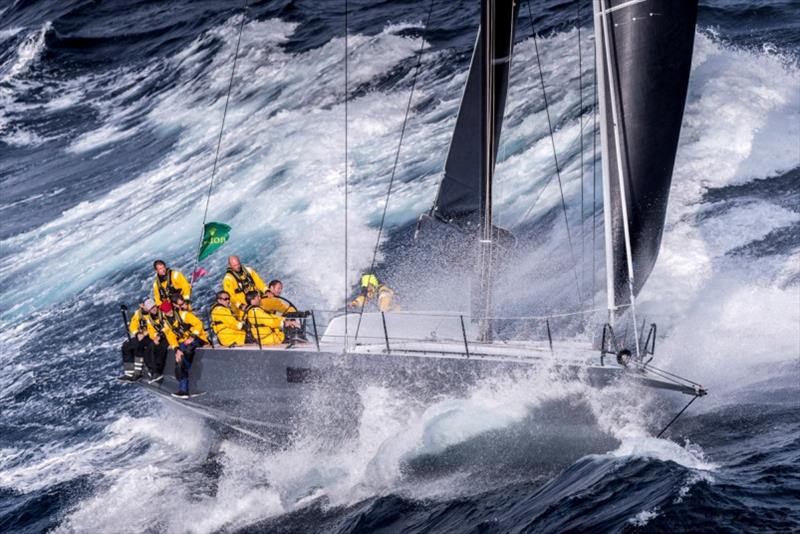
138,367
127,372
183,389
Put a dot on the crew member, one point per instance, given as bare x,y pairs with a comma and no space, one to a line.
272,302
373,293
190,334
135,348
169,283
229,330
162,338
264,327
238,280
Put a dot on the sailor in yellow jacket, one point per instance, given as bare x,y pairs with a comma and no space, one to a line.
191,334
158,326
185,324
138,323
136,347
272,302
264,327
238,280
169,283
162,337
229,330
373,292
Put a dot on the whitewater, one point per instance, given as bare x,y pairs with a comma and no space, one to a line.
109,117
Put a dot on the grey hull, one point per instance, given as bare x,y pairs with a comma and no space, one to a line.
270,393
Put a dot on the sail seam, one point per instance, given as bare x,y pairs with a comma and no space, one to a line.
617,8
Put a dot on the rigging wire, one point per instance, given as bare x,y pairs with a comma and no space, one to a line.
677,416
221,130
580,129
555,158
396,160
594,175
346,218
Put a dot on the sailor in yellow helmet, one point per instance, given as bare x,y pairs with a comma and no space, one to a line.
229,330
238,280
373,292
169,283
264,327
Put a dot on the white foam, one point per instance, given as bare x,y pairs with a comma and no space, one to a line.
292,164
689,455
8,32
27,53
642,518
255,485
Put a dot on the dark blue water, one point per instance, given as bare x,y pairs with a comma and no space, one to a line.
109,115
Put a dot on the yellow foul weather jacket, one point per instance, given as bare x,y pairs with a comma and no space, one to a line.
383,298
238,284
264,326
185,324
174,283
230,331
137,323
276,305
158,325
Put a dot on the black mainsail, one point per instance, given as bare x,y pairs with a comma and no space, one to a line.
459,199
644,55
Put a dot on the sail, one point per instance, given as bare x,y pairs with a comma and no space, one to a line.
459,197
644,55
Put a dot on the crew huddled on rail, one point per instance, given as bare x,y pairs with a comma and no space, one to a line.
246,311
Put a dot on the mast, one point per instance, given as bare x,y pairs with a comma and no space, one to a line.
623,199
487,159
604,159
459,199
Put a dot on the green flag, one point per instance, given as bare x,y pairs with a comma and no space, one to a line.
214,236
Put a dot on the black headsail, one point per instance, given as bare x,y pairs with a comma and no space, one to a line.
459,197
644,55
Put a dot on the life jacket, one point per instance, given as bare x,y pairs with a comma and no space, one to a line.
182,329
211,312
159,322
244,280
248,335
260,325
166,293
141,317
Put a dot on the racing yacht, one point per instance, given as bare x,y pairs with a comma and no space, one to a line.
643,59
